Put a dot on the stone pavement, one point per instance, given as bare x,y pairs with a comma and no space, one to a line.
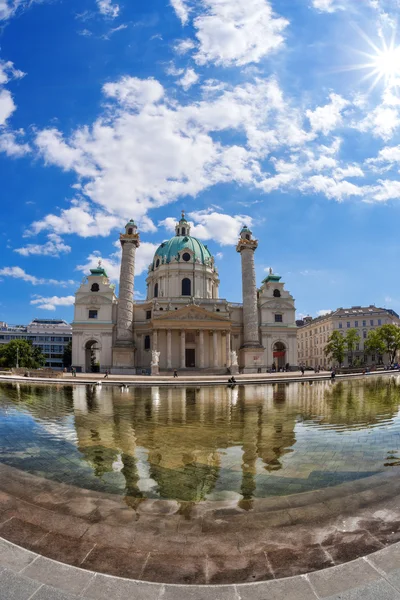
25,575
191,379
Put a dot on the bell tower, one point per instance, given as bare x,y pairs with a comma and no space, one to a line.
251,351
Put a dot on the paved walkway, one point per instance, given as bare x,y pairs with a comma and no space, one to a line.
191,380
25,575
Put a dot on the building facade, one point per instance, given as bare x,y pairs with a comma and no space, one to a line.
313,334
51,335
183,319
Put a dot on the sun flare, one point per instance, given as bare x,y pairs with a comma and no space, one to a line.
382,64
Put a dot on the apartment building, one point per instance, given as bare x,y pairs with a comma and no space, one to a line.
313,334
51,335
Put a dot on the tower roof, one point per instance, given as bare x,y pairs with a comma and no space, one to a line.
98,271
272,277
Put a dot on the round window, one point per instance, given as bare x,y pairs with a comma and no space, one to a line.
186,256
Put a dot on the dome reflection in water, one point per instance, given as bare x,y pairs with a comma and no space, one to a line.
208,443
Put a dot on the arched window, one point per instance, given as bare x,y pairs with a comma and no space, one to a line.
183,231
130,231
147,342
95,287
186,287
247,237
156,291
158,262
277,294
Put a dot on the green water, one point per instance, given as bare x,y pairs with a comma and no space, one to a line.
206,443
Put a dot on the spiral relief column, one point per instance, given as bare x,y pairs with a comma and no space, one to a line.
251,350
123,355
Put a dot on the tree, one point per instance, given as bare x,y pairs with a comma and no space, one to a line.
335,348
29,356
351,340
67,356
385,338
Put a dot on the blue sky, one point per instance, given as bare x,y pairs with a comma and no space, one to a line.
281,115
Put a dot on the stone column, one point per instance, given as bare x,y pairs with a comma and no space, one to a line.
169,349
249,292
228,349
183,349
215,348
155,340
201,349
129,243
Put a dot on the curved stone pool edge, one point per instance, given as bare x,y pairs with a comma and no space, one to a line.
187,381
26,575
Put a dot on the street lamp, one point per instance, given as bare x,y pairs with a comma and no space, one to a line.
17,357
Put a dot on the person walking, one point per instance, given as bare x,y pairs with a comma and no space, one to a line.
106,374
175,373
302,371
73,371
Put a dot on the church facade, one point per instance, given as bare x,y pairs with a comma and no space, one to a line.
182,324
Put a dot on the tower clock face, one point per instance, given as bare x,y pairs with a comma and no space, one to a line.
186,256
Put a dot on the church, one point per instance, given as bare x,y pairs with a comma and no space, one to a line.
183,324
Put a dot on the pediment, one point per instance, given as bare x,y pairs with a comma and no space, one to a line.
191,313
94,300
277,304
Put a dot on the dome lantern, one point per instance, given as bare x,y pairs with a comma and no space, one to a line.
183,227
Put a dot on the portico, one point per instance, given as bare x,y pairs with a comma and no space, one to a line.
192,338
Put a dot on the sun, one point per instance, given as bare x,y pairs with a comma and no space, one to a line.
382,64
386,63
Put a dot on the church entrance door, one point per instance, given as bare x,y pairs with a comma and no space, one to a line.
190,357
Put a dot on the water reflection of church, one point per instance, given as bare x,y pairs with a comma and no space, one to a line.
202,441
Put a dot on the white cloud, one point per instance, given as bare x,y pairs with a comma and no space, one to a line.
18,273
181,9
8,71
7,106
81,220
387,189
349,171
237,33
328,117
336,190
210,225
136,93
184,46
323,312
51,302
382,121
10,146
108,8
53,247
325,5
189,78
112,263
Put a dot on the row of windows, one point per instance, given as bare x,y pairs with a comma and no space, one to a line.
356,323
34,338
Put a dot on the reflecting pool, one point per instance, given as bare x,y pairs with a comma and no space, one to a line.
208,443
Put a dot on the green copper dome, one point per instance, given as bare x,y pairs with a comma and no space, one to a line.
175,249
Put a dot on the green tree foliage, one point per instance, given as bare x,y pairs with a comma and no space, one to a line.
29,356
67,356
336,346
384,339
351,340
